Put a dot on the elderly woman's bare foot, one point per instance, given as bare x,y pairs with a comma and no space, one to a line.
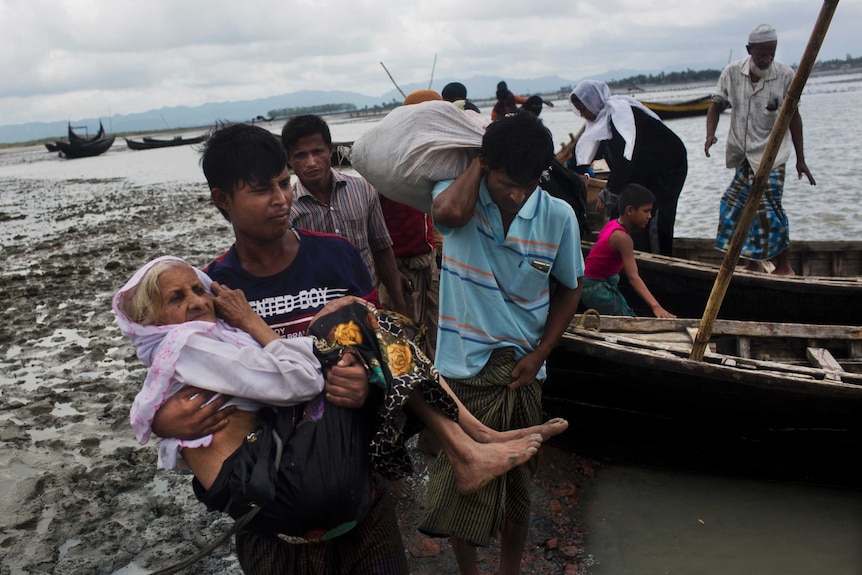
546,430
477,464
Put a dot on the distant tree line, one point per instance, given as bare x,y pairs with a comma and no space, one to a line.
378,108
319,109
690,75
322,109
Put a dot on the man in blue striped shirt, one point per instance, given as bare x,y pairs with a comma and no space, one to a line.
500,316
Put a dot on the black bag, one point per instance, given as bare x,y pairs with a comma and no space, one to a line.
307,467
569,186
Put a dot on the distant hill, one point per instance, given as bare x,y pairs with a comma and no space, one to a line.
178,117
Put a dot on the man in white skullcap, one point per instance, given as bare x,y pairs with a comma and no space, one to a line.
755,88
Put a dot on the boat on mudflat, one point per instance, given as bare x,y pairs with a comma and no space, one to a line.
86,149
683,286
75,139
149,143
761,387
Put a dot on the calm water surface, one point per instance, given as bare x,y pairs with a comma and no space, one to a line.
641,521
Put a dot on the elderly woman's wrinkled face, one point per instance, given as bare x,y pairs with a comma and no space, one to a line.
183,297
582,110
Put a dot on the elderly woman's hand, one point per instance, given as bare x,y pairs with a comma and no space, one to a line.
231,306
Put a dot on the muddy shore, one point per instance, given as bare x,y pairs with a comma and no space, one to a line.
77,494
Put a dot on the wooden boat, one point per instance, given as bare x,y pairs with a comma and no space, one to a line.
51,147
781,375
76,139
149,143
837,258
683,287
760,384
680,109
87,149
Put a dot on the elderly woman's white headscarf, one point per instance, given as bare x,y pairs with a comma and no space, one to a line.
596,97
158,347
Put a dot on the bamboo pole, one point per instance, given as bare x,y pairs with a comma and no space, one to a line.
758,185
393,80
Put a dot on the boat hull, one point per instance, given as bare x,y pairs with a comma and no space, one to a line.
153,143
87,149
686,109
780,416
684,288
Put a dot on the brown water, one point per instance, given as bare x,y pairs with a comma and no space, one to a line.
650,521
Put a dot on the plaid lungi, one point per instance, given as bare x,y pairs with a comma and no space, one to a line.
770,231
478,517
605,296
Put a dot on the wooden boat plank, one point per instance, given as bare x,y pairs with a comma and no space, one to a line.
821,358
722,326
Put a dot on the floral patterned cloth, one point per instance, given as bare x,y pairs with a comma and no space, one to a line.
383,340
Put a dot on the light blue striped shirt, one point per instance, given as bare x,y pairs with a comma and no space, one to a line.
495,290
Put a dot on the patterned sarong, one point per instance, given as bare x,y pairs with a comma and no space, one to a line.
605,297
770,232
478,517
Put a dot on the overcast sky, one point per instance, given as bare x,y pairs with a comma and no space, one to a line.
69,59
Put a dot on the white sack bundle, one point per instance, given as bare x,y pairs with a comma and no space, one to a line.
414,147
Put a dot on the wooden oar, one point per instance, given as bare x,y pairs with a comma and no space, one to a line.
569,146
758,185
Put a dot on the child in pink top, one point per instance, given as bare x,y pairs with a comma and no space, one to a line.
614,251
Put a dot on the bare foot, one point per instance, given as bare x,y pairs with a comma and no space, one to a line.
478,464
782,271
754,266
546,430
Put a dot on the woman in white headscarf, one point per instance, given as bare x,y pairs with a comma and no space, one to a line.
639,148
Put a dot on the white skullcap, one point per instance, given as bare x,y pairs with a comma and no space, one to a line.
762,33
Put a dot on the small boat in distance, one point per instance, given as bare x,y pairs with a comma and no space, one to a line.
680,109
149,143
86,149
76,139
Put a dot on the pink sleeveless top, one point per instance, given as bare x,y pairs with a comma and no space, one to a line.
604,261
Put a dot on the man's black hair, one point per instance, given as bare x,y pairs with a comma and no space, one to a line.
520,144
534,104
454,91
299,127
241,153
634,195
